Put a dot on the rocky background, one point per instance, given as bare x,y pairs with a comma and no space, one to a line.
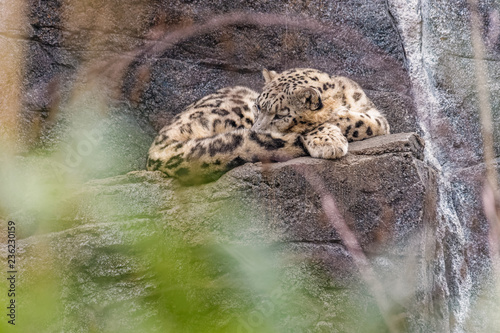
122,69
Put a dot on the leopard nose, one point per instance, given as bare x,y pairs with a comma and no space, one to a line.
261,123
257,126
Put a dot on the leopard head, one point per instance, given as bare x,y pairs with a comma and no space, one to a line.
289,102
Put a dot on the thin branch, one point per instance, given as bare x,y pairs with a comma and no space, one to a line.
490,192
353,247
483,95
340,34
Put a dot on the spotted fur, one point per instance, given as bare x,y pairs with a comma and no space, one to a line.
300,112
213,135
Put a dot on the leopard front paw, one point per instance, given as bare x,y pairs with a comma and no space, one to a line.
326,146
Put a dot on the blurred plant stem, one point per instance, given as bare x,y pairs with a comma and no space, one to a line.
483,96
352,245
12,22
491,197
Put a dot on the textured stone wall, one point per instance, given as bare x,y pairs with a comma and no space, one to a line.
353,38
437,40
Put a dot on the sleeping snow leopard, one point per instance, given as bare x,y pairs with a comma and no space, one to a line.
300,112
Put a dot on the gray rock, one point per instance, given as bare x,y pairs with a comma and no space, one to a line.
384,193
436,38
401,142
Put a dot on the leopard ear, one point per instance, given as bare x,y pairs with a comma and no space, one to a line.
268,75
310,98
